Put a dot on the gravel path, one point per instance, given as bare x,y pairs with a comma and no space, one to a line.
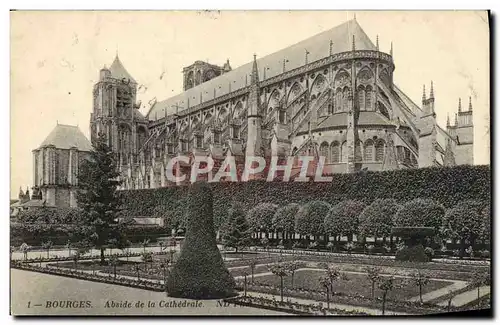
466,297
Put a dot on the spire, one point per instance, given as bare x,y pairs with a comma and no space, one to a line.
307,53
448,120
353,43
456,119
331,47
391,48
470,103
423,95
431,94
377,43
21,193
118,71
255,71
459,104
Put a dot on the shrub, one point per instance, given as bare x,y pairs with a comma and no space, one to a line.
199,272
429,252
412,254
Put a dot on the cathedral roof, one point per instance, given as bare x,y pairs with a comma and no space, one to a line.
66,137
318,47
118,71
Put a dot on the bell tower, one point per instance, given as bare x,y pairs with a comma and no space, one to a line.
114,108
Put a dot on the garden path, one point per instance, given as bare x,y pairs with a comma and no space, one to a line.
370,311
441,292
466,297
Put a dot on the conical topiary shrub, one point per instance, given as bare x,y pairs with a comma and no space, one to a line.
200,273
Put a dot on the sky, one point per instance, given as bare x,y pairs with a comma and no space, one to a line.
56,57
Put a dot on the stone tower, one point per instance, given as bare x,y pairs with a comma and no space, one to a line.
115,112
253,147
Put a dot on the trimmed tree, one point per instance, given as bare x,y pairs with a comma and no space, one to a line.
343,218
47,246
310,217
420,213
237,232
284,220
377,219
386,284
293,266
199,272
279,269
420,279
478,279
98,198
464,222
373,274
261,216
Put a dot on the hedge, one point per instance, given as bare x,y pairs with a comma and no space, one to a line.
446,185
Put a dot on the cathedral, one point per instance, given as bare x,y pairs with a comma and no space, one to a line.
332,95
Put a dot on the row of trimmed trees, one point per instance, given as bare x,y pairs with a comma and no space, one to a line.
466,222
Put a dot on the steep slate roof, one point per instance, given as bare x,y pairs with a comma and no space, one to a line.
318,47
118,71
66,137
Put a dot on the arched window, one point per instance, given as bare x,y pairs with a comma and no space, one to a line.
357,151
368,154
343,151
282,116
361,98
338,100
345,96
198,78
324,152
369,101
335,148
379,150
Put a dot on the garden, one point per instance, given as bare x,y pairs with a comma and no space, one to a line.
401,242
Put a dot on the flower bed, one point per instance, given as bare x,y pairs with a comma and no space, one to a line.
290,307
141,284
366,256
357,284
83,257
348,299
368,260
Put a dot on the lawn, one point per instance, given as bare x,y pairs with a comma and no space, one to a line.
355,284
